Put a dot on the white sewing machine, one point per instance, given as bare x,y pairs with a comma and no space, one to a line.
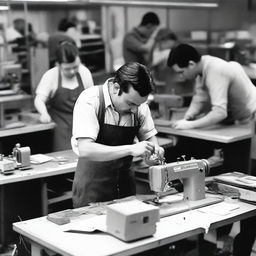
192,174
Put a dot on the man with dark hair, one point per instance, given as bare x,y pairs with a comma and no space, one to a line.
106,120
139,42
59,36
223,91
58,91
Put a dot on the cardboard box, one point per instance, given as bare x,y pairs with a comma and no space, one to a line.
132,220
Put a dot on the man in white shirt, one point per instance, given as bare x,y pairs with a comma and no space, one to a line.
222,89
106,120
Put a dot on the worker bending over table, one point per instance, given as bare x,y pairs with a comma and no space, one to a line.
106,121
223,91
59,89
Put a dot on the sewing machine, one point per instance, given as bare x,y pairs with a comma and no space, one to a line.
192,174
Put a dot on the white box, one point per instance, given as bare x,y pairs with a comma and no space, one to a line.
132,220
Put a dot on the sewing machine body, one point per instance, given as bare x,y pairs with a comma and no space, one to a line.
192,173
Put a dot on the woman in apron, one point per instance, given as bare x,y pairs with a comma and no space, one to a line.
58,91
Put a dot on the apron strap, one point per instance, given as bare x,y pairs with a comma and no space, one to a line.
101,113
79,80
59,78
78,77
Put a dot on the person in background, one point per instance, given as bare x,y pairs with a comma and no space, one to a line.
244,241
18,33
139,43
106,121
223,91
165,41
74,31
58,91
59,36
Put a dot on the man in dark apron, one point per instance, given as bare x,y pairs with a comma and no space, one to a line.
106,121
58,91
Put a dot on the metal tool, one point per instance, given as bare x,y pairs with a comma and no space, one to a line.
22,155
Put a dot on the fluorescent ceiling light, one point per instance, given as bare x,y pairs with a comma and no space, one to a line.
4,8
55,1
206,4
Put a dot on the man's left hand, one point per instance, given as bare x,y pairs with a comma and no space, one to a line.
159,151
156,158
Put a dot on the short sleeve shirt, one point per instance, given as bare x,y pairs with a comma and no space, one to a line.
49,81
85,119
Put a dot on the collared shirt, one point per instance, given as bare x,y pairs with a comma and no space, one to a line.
227,87
85,117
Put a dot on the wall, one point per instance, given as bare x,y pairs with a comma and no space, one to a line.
116,20
231,14
45,18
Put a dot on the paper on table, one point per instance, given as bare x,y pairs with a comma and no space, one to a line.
222,208
87,225
39,159
171,198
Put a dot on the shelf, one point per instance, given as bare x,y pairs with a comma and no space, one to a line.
92,44
81,53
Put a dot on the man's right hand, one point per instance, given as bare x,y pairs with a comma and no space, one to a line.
45,118
143,148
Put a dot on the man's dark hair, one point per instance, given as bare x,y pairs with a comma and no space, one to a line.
182,54
150,18
19,25
65,24
66,52
136,75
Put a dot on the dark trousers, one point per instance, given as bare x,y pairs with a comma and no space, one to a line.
244,241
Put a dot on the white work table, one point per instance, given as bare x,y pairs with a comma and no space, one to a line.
51,168
216,133
22,125
42,233
29,128
56,166
234,140
42,174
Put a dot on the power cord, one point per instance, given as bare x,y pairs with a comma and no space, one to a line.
21,242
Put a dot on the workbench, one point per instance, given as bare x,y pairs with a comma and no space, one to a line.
20,125
23,191
234,140
36,135
42,233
